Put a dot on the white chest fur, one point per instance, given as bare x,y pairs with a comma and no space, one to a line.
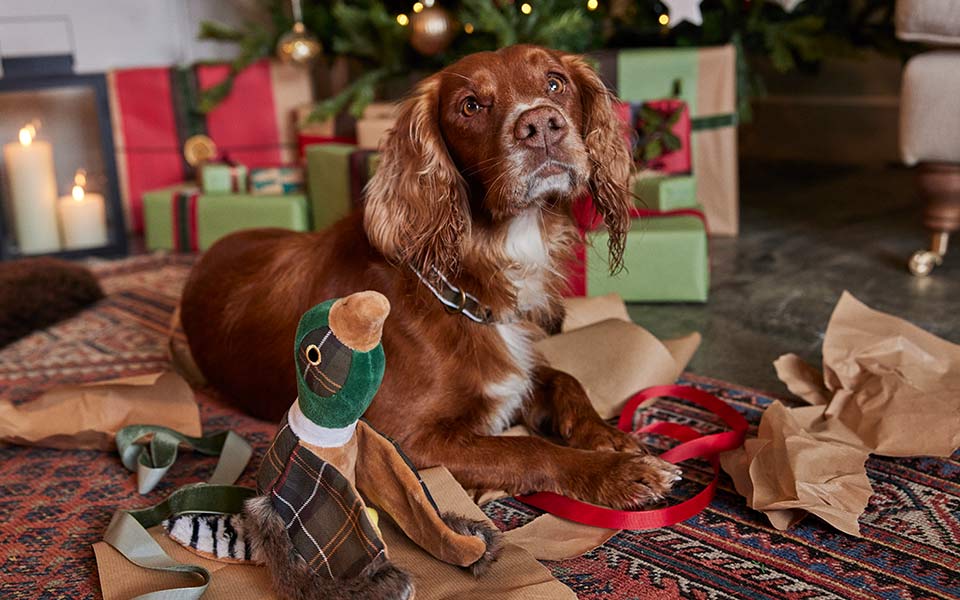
525,247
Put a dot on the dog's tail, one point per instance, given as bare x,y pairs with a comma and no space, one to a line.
215,536
178,351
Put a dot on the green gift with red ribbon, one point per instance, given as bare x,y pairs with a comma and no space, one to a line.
182,219
336,175
666,257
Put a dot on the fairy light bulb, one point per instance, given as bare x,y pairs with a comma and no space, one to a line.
526,9
403,19
592,4
664,19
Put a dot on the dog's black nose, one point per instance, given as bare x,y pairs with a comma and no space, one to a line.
540,127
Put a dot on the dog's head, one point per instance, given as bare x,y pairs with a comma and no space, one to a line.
488,138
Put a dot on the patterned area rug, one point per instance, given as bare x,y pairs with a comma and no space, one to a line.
54,504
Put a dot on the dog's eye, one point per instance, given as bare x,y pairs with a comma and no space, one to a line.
313,355
555,84
470,107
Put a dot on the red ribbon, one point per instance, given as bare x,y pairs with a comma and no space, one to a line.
185,232
693,444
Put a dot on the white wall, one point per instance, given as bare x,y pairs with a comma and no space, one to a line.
106,34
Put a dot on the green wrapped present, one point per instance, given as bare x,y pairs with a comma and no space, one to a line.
665,192
705,78
665,260
336,176
219,178
182,219
273,181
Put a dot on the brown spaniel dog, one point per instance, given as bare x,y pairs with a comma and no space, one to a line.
466,229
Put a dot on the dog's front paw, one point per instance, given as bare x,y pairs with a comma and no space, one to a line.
598,435
623,480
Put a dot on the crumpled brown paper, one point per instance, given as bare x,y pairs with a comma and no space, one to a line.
613,359
515,576
87,416
887,388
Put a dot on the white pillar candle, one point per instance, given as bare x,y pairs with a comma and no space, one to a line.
83,218
33,191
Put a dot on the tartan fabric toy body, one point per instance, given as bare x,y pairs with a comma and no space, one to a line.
311,524
321,510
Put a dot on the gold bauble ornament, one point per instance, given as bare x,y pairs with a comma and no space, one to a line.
199,149
298,45
431,30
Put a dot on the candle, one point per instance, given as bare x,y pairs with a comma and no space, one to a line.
83,217
33,191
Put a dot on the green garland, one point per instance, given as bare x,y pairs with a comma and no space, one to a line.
368,32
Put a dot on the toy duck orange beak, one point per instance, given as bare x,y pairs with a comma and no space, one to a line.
357,319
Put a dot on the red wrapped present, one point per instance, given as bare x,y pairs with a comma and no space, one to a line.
153,111
660,132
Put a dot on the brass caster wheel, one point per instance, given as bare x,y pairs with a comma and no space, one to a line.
923,261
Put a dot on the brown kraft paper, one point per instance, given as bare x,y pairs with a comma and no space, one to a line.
87,416
515,576
888,388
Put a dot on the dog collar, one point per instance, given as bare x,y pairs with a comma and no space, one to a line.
454,299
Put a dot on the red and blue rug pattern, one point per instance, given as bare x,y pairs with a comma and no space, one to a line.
54,504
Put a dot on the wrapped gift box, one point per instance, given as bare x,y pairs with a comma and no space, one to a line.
272,181
665,260
706,80
336,176
220,178
182,219
153,114
665,192
378,118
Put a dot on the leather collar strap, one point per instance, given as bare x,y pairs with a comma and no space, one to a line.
454,299
693,444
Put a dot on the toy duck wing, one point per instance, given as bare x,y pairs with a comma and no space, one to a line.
390,482
321,511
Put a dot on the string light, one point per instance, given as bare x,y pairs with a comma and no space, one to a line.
526,8
403,19
417,7
592,4
468,28
664,19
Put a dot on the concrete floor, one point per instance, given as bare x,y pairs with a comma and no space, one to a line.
808,232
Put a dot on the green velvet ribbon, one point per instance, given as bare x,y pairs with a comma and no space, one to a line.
128,535
366,372
151,460
127,532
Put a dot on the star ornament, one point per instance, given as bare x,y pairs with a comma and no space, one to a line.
684,10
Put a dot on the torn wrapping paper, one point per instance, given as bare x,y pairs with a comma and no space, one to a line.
515,576
87,416
888,388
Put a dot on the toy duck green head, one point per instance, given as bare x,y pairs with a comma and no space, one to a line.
339,358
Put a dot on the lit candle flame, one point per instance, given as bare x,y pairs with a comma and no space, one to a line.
79,180
26,134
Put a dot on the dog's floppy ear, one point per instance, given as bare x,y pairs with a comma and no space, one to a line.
610,160
416,203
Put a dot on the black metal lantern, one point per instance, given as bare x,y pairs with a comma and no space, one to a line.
57,140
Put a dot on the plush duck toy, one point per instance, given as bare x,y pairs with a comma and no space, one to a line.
312,524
